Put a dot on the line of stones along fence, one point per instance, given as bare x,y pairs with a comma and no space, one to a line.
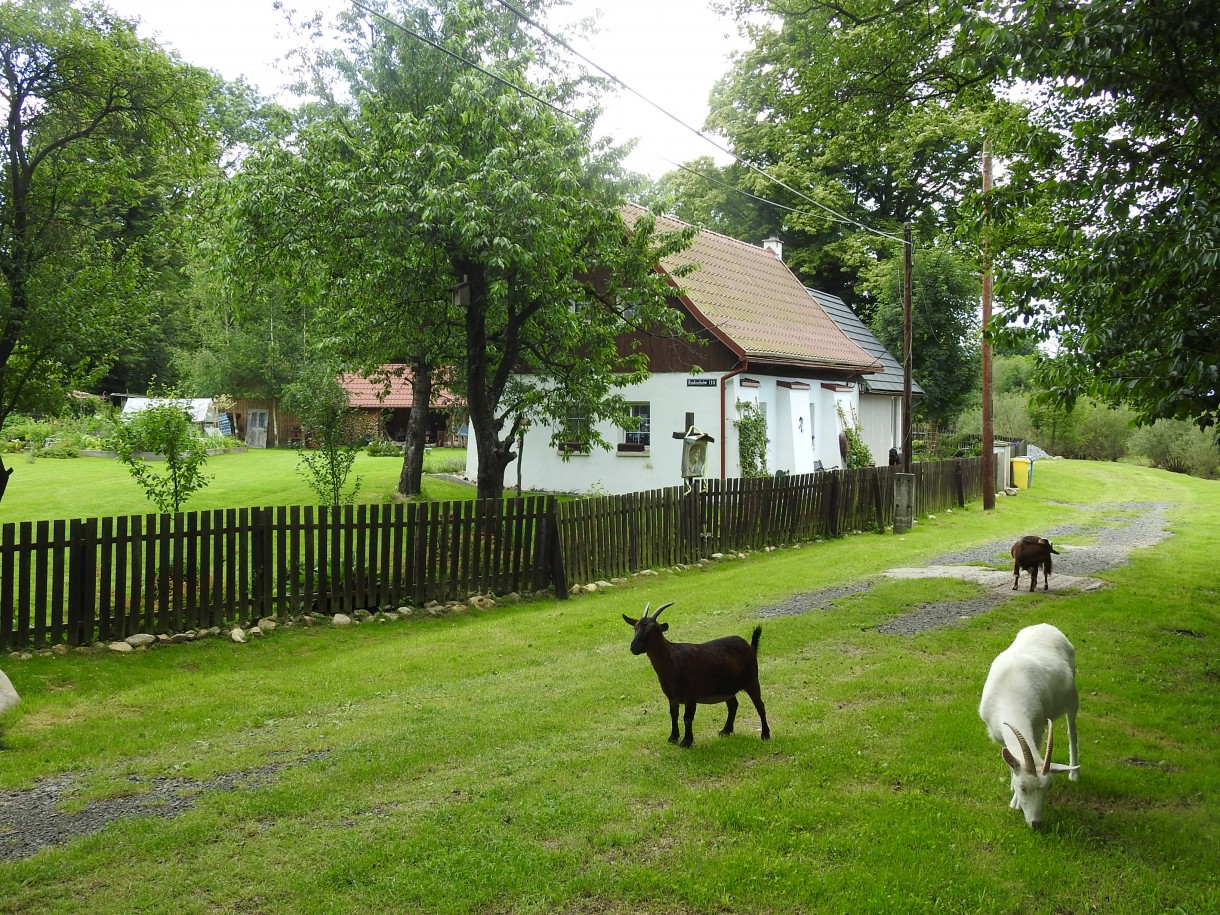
93,579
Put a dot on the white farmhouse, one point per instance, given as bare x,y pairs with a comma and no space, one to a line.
766,342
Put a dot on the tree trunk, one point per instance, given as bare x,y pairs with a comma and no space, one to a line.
5,473
483,396
411,479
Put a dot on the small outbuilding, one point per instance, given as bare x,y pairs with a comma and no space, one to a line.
202,410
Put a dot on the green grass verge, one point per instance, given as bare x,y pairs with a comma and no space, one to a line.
92,487
514,760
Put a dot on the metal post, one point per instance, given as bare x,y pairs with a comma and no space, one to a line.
988,429
906,348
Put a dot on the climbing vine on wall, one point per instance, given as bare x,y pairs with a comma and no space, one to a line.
858,453
751,429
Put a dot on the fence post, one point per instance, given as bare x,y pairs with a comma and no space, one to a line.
904,502
261,565
82,579
558,574
960,483
834,497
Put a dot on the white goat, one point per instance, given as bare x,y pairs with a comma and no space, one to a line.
1031,683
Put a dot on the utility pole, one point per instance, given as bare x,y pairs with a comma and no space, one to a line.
989,469
906,348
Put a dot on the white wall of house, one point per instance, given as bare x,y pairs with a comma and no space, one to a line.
802,428
881,425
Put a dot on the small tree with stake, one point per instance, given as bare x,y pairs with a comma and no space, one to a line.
163,429
326,419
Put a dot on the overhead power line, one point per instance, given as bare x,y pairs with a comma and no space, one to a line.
840,217
458,57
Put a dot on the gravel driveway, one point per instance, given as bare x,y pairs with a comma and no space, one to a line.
1119,528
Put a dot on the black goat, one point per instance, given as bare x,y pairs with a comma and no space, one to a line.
708,673
1029,553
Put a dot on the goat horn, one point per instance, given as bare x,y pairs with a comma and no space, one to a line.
646,606
1025,750
660,608
1050,745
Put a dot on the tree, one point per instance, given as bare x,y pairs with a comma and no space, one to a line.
442,198
1120,162
328,421
862,106
164,429
101,136
945,331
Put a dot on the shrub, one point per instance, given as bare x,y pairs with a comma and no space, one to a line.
858,453
164,428
381,448
1179,446
752,439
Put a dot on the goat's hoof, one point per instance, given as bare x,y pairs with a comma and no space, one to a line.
766,735
688,743
674,739
727,732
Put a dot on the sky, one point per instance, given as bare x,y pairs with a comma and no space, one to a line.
671,51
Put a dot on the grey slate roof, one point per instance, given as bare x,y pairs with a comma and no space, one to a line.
888,381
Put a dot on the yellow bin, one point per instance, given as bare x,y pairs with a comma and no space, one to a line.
1022,472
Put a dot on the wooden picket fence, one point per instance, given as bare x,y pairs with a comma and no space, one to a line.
75,582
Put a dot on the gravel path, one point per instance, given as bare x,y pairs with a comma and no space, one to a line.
31,820
1120,527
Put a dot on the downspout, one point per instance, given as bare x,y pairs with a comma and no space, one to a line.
742,366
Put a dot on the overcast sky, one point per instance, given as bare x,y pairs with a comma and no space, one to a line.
671,51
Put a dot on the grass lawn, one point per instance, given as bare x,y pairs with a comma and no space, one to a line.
514,760
90,487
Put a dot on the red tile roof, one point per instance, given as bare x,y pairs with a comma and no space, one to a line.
748,297
373,394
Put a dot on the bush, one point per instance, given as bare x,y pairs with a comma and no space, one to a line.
858,453
164,429
1179,446
381,448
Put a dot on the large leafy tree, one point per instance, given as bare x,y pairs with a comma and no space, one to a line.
461,218
861,106
101,136
1110,224
945,331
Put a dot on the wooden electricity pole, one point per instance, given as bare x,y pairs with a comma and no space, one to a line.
989,469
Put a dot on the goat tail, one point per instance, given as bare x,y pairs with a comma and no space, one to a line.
754,639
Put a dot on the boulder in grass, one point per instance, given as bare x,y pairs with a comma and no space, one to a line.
8,694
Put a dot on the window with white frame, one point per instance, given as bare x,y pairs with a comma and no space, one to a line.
575,437
639,436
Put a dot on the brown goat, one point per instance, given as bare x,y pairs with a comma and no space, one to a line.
1029,553
707,673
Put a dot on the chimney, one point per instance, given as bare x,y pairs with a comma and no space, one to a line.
775,246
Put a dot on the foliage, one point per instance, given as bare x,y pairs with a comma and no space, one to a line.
751,426
858,453
860,106
1107,225
104,135
435,180
944,326
1177,446
164,428
379,447
321,404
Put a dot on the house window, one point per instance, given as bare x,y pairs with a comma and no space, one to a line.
575,435
639,438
